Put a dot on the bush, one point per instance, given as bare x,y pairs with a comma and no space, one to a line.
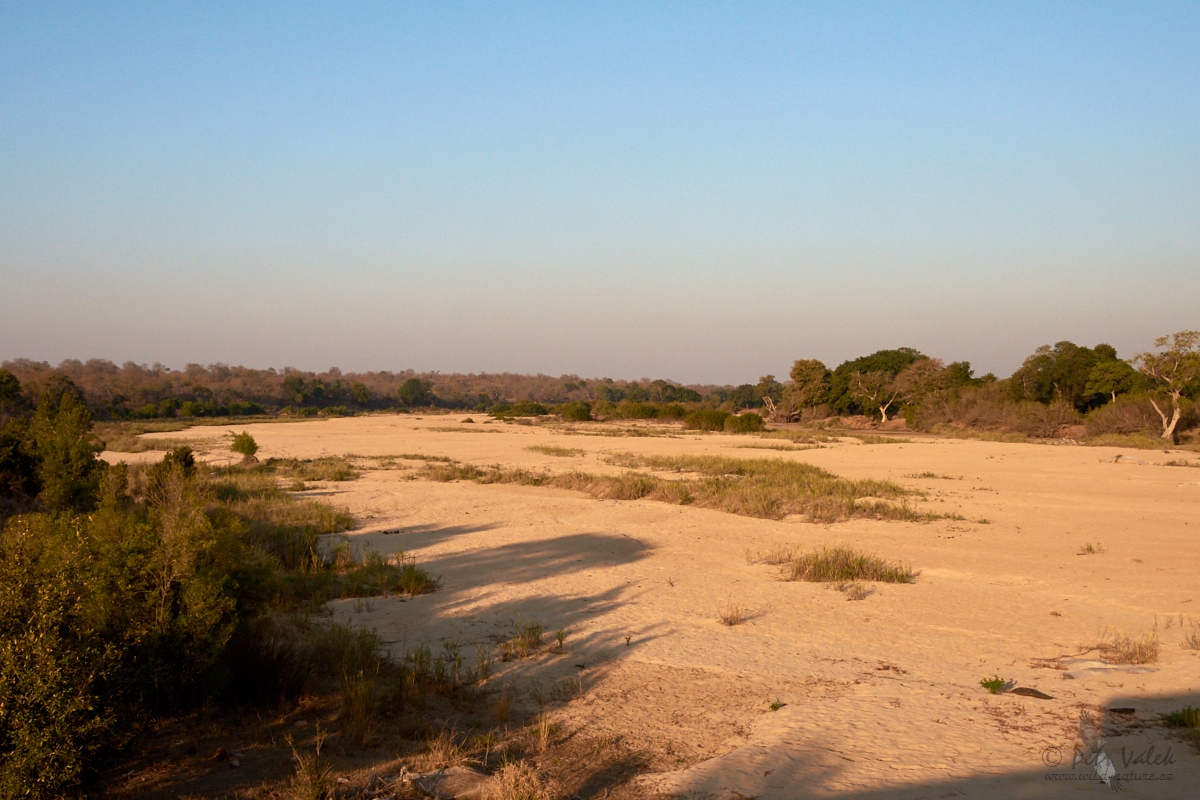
244,444
244,409
632,410
671,411
706,419
748,422
576,412
1043,421
60,435
525,408
1126,414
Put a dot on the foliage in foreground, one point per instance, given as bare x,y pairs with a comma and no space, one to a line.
129,593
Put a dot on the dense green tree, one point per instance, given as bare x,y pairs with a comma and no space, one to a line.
874,390
1112,378
1061,372
60,434
809,387
744,396
415,392
890,362
768,388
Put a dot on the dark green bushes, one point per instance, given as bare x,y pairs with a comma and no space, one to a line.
576,412
706,419
525,408
748,422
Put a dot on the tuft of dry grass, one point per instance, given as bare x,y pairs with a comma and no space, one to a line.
328,468
1121,648
544,732
503,706
731,614
872,438
313,779
359,708
519,780
841,563
560,452
443,751
855,590
1191,639
780,446
1090,549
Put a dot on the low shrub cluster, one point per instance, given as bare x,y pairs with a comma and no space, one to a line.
706,419
525,408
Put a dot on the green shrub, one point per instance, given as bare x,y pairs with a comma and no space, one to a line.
60,436
244,444
244,409
525,408
706,419
993,685
671,411
634,410
747,422
576,412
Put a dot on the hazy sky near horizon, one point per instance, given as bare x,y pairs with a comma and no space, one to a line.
699,191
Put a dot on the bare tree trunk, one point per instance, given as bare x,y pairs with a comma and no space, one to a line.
1169,425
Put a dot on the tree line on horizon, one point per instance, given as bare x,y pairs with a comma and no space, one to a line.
1058,386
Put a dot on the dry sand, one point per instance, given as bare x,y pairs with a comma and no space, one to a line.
881,697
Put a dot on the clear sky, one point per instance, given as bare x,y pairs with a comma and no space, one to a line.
700,191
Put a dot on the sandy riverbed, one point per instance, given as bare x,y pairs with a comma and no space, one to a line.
880,697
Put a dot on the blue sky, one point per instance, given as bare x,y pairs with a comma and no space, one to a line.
698,191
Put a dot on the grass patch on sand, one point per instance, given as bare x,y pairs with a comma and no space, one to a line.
1136,441
840,564
799,437
765,488
328,468
1119,647
871,438
1187,721
560,452
954,432
781,446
